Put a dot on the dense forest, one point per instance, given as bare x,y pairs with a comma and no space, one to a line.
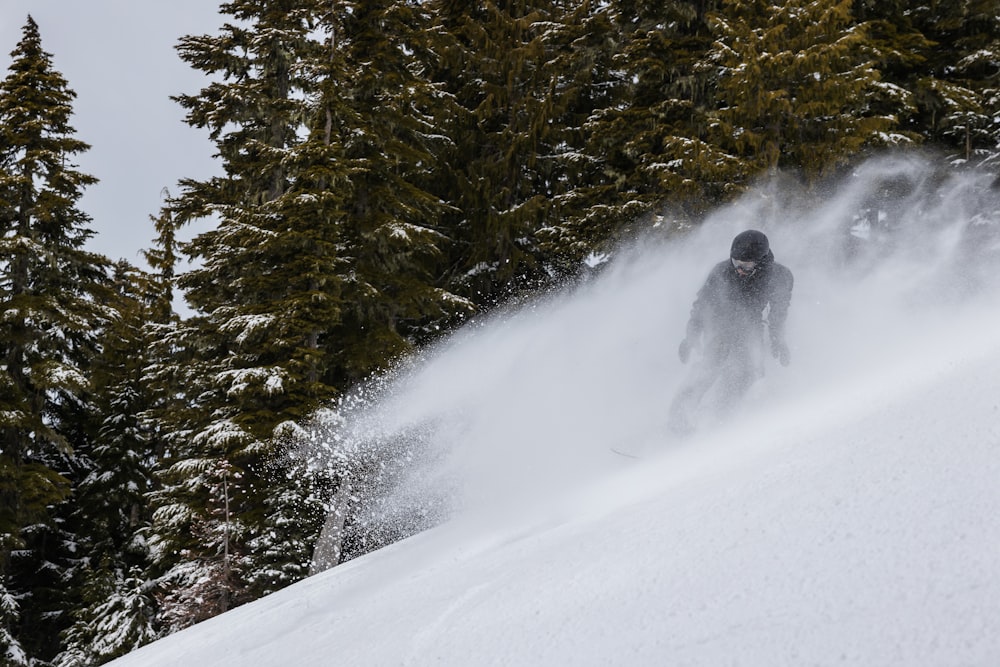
391,168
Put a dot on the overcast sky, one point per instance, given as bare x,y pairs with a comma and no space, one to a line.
119,58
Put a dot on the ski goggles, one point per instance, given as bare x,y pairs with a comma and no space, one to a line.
744,267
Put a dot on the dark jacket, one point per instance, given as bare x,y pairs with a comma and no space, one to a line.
729,308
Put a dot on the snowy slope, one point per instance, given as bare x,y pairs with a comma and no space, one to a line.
848,515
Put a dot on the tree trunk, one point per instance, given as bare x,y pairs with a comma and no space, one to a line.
330,545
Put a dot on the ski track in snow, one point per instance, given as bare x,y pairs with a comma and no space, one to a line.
845,515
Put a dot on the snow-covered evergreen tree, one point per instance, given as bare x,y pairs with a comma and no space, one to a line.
964,87
495,61
322,269
118,620
239,375
584,212
793,80
642,141
114,613
374,121
13,654
52,295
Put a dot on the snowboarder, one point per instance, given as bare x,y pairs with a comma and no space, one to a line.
742,296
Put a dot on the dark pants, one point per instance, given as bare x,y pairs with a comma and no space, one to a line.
731,364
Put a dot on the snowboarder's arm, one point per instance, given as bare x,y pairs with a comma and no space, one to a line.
782,282
703,304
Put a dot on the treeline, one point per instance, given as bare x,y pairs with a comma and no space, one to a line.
390,167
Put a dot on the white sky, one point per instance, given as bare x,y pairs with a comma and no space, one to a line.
118,56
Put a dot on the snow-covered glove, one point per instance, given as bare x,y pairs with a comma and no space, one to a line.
684,351
779,349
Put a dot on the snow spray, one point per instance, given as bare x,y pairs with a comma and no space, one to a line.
520,406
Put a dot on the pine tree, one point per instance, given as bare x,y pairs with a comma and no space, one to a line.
162,259
584,212
52,295
374,120
115,612
117,621
962,77
668,151
944,55
295,511
794,78
323,267
900,52
10,616
236,375
492,59
644,137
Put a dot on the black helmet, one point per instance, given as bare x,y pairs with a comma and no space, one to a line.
750,246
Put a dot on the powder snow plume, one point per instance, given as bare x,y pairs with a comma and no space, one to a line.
516,410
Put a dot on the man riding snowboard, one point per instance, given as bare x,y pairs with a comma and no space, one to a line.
741,296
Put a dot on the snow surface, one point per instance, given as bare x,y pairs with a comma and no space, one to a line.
846,515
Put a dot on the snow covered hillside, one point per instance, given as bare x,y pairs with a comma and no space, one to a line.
847,514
